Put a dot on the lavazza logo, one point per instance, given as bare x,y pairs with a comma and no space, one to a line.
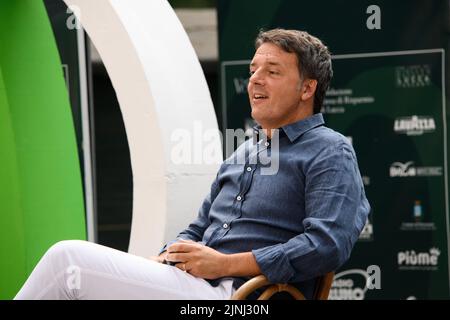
412,260
407,169
414,125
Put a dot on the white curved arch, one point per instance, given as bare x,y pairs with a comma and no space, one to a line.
161,88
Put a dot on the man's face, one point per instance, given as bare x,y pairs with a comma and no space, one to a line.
274,86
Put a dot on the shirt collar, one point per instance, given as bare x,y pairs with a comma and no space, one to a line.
296,129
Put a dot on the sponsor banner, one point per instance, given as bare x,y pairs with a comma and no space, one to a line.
401,154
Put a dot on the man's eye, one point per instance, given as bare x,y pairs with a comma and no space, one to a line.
273,72
251,72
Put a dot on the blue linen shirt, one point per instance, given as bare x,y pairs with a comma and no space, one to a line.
299,207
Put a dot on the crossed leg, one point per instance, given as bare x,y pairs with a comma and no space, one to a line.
76,269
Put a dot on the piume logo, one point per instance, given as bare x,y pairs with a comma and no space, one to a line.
412,260
414,125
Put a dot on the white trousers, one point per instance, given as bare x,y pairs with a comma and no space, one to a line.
82,270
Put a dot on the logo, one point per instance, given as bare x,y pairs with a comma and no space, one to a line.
366,180
413,76
421,261
367,232
399,169
417,217
353,284
414,125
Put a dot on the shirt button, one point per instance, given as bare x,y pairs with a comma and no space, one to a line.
249,169
238,198
225,226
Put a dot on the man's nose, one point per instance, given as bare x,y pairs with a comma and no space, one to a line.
256,78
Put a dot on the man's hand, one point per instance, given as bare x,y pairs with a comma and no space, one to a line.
197,259
159,258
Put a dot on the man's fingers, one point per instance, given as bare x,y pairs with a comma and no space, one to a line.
177,257
181,247
156,258
176,247
182,266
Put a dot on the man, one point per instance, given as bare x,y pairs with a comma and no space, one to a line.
292,224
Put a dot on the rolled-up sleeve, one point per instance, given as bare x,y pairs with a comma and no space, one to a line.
336,210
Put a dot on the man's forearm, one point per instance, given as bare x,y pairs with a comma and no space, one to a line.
241,265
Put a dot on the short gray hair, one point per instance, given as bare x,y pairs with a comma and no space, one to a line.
313,57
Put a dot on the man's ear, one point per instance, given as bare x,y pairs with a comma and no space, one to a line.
308,89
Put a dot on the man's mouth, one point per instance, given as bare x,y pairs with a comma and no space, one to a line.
258,96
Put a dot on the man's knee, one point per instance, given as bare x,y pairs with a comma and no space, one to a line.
64,248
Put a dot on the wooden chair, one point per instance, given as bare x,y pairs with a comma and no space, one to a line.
320,293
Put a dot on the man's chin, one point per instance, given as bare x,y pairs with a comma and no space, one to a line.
258,116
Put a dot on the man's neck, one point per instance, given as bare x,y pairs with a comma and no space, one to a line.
267,128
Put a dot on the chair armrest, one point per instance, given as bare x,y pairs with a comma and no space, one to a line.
250,286
261,281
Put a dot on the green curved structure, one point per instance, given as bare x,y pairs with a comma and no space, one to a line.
41,196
